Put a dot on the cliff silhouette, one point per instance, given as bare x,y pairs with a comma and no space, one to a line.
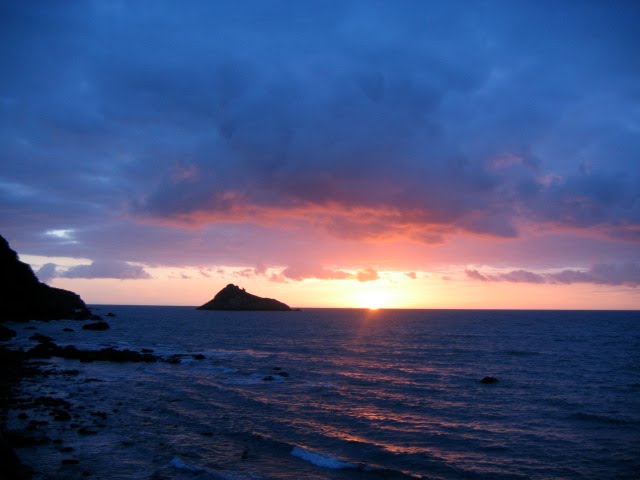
24,297
233,297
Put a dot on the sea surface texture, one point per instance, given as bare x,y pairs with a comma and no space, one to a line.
351,394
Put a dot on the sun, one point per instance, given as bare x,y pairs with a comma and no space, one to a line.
372,300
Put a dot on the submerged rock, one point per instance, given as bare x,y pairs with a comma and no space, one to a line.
60,415
233,297
38,337
173,359
24,297
96,326
489,380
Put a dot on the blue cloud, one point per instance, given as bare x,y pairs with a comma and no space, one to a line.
419,120
107,269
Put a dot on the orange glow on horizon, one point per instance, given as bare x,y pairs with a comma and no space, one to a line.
372,299
394,289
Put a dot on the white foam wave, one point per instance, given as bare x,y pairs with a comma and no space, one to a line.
321,459
180,464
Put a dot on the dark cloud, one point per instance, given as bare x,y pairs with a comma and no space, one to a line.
522,276
418,121
601,274
107,269
476,275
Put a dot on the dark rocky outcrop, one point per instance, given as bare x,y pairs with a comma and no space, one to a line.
24,297
233,297
50,349
6,333
13,369
11,466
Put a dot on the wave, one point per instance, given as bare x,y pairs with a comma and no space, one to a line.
592,417
324,460
321,459
520,353
180,464
205,474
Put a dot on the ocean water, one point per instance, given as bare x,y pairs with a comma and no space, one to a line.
369,395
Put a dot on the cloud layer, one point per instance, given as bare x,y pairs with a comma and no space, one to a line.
97,269
601,274
271,132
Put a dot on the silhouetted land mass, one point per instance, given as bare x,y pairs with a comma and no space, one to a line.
233,297
24,297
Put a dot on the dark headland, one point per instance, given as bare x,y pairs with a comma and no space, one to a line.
24,297
233,297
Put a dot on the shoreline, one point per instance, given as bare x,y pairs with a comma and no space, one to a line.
14,371
39,417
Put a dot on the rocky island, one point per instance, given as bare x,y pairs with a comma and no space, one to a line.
24,297
233,297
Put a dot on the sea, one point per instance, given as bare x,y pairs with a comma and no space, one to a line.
345,394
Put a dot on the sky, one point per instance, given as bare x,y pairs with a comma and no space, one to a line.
454,154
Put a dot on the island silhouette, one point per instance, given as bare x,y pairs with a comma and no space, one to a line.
232,297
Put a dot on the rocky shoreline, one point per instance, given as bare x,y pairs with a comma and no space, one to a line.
43,418
14,370
40,405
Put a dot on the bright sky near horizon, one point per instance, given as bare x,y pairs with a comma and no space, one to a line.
351,153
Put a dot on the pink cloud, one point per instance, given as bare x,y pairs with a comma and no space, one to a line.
303,272
367,275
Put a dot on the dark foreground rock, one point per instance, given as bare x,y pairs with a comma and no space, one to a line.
13,369
6,333
233,297
24,297
50,349
11,466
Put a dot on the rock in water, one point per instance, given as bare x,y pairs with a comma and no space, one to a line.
233,297
24,297
489,380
